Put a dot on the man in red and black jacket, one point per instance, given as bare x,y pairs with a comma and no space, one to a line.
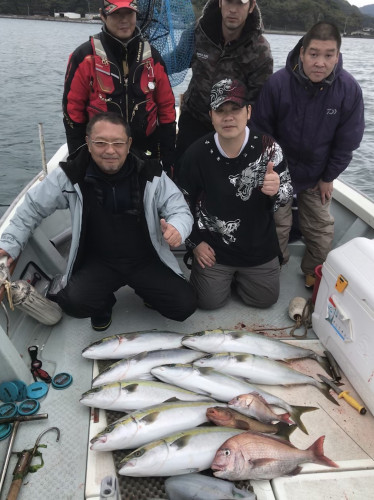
118,70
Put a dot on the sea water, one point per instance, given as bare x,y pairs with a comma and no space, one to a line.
34,56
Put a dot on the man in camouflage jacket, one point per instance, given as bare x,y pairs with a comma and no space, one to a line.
228,44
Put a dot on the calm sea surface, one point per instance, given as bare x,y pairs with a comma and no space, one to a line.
34,55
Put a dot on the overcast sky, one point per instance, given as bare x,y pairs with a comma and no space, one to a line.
360,3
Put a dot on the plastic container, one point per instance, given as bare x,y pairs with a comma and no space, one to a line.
318,273
343,317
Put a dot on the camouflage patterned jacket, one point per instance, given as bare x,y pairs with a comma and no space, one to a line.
248,59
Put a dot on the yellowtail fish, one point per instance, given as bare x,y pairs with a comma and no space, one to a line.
128,344
216,341
260,370
135,395
139,366
183,452
143,426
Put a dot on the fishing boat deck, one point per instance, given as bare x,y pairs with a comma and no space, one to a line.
69,461
73,472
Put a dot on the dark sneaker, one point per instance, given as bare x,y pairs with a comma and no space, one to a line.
101,323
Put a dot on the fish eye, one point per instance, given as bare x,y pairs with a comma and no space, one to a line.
226,452
138,453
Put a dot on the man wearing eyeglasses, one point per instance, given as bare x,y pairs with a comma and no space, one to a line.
126,214
118,70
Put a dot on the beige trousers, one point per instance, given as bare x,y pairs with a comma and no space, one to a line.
316,225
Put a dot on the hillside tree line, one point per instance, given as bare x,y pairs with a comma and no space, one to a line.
284,15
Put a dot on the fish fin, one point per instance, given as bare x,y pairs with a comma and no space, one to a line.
130,387
174,399
140,356
284,430
242,424
294,472
319,457
151,417
285,417
181,442
261,462
242,357
296,413
325,389
204,370
261,398
324,362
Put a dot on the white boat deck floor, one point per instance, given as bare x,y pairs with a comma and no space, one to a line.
63,476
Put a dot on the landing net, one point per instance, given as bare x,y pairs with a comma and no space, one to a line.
169,26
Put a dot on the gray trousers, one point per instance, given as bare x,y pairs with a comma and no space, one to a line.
258,286
316,225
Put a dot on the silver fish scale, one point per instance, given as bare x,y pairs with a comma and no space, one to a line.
137,488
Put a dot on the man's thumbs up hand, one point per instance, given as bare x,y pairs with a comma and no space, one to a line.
271,183
170,234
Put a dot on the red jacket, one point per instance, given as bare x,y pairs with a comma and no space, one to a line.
95,82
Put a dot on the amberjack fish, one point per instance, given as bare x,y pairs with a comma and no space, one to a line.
252,455
201,487
135,395
191,450
227,417
143,426
260,370
128,344
222,387
216,341
139,366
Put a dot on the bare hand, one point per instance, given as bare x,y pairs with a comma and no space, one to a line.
271,183
325,189
205,255
3,253
171,235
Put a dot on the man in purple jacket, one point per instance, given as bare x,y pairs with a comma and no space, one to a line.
314,109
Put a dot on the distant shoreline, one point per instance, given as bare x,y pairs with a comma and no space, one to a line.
98,21
50,18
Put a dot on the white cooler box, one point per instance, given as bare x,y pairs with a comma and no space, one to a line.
343,317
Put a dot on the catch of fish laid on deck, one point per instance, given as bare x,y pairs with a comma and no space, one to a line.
173,383
222,387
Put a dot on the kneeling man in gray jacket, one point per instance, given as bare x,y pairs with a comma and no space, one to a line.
126,214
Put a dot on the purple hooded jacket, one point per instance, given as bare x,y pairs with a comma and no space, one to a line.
318,125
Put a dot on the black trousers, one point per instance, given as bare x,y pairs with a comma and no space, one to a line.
90,291
189,130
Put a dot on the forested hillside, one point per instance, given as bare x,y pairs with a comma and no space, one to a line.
277,14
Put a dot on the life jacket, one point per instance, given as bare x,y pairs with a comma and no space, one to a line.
102,65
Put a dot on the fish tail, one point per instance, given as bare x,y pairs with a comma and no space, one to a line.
284,430
297,411
319,458
324,362
325,389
